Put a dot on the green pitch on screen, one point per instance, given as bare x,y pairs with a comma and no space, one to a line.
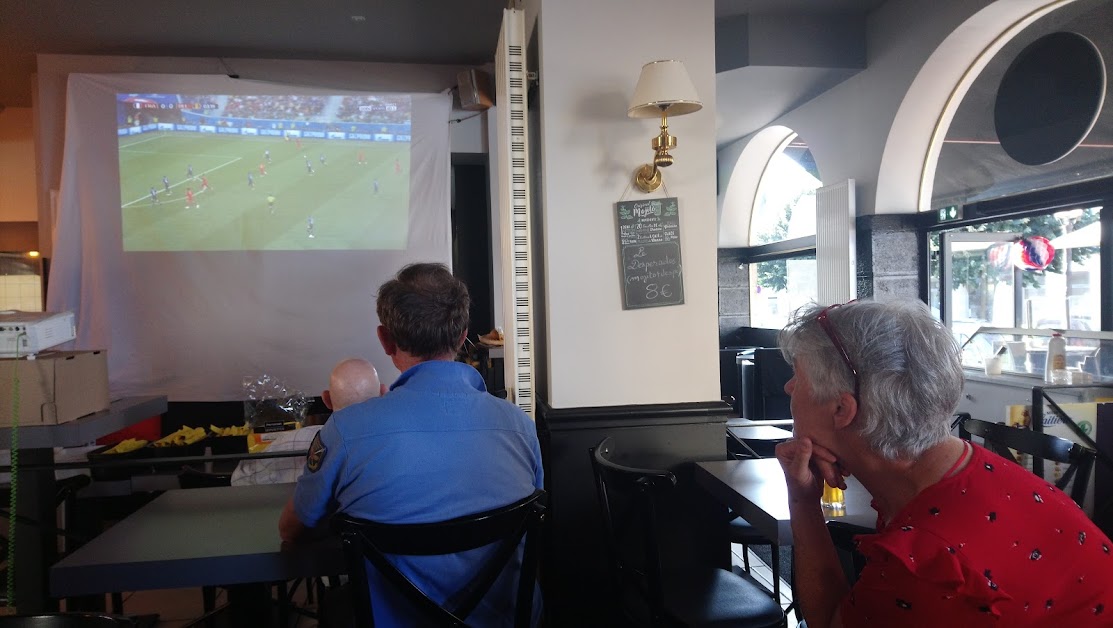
345,203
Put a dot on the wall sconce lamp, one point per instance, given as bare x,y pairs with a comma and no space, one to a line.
663,89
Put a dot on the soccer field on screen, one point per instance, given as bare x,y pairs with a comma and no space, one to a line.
357,197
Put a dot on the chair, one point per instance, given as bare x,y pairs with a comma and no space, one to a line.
1000,438
738,529
66,620
507,526
692,597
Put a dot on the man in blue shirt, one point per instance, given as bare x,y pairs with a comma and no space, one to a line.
434,448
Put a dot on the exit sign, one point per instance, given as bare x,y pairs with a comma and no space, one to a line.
949,213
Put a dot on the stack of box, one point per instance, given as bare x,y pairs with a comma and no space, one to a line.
55,387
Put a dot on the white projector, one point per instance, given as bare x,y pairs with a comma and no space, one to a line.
27,333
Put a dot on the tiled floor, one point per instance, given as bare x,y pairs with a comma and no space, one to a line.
763,574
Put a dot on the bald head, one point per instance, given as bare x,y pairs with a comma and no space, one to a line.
352,381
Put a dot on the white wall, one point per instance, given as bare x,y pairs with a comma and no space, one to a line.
878,126
847,126
591,55
17,166
54,69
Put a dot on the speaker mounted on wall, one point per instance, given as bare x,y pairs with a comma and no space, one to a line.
1049,98
474,87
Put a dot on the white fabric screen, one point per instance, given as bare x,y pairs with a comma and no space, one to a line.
192,325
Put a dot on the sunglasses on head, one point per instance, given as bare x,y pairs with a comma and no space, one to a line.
829,329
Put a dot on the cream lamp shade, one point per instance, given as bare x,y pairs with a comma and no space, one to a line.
663,88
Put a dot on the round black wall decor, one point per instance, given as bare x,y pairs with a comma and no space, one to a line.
1049,98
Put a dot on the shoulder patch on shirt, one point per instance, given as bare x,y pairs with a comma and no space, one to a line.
316,454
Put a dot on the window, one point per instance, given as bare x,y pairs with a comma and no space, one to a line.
991,285
785,210
779,287
20,282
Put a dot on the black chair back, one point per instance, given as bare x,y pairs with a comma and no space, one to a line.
1000,438
612,481
692,596
507,526
66,620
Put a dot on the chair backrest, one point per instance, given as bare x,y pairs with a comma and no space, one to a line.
506,527
640,488
771,373
66,620
1000,438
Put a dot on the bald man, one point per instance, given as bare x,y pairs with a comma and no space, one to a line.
352,381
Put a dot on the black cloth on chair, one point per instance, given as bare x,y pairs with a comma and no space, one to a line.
692,597
507,526
1000,438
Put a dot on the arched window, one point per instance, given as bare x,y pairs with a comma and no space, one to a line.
784,210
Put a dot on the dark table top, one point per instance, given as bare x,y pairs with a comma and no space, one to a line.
756,490
192,538
759,432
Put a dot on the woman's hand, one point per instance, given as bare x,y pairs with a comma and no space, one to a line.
806,466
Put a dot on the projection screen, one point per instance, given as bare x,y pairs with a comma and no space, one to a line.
211,229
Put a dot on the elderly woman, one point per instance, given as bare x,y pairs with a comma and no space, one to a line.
964,538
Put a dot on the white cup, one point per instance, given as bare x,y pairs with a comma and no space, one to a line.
993,365
1060,376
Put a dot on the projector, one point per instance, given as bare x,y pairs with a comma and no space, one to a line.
27,333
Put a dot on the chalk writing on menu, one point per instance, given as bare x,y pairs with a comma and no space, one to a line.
649,251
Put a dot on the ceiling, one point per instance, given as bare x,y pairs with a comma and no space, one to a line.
356,30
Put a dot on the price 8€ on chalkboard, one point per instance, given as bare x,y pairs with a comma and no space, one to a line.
649,253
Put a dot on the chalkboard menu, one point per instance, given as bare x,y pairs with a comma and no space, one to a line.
649,252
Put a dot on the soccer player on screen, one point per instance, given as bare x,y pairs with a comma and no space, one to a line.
154,196
205,187
309,227
323,160
309,166
361,158
397,166
189,198
375,185
250,181
270,203
166,184
189,171
267,153
262,169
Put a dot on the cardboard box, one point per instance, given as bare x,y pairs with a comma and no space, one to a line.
55,387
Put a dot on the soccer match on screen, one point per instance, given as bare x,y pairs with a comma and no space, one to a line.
236,173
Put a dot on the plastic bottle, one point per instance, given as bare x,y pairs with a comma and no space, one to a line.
1056,356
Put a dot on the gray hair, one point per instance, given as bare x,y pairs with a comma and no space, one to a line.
909,370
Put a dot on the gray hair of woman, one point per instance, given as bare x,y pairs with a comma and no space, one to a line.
909,369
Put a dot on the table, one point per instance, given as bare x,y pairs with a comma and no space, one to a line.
37,489
756,490
756,441
196,537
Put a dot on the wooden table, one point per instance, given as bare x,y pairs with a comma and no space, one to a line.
193,538
756,490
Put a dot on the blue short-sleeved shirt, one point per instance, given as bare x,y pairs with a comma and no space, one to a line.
435,448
